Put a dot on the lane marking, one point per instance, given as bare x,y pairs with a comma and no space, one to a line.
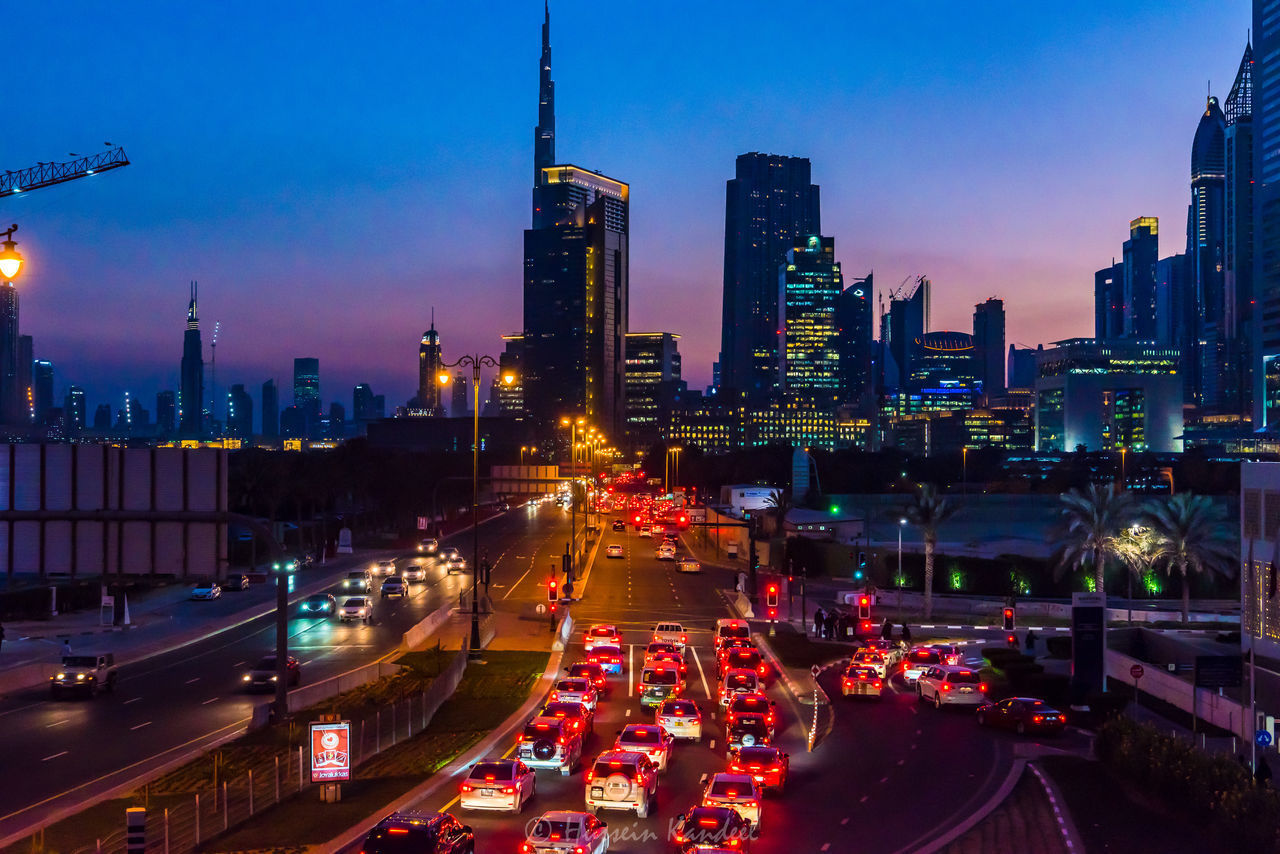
902,762
884,779
826,846
845,820
189,681
56,723
140,726
628,713
862,801
55,756
238,664
711,745
701,673
210,700
134,700
631,668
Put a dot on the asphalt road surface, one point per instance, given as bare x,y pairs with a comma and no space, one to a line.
70,749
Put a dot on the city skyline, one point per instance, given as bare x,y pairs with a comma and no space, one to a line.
240,209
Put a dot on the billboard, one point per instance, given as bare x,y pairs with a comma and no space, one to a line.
330,752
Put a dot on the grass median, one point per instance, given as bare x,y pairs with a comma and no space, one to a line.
486,696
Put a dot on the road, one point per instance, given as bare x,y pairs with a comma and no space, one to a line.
889,776
164,705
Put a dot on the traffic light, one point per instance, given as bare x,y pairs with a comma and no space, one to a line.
865,627
1008,619
864,607
553,592
771,595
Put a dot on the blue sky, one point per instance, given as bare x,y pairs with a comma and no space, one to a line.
328,172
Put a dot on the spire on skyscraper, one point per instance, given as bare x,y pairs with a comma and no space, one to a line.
1239,104
544,135
193,322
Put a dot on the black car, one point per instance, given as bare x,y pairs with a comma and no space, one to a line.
235,583
710,827
619,525
420,833
747,730
319,605
262,676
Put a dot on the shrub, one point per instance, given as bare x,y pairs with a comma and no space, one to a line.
996,654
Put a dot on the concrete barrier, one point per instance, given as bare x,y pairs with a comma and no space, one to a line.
26,676
309,695
741,605
986,607
426,628
564,632
1220,711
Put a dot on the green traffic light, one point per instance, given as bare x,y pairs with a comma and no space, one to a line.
834,509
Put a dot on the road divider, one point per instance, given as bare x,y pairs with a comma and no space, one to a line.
564,632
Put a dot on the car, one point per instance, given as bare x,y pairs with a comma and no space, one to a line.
740,658
579,717
622,779
614,550
858,681
891,650
951,653
747,731
428,545
753,704
871,658
575,691
730,630
356,608
497,784
767,765
608,656
738,792
919,660
357,581
87,674
601,634
206,590
619,525
419,833
665,552
565,832
674,659
263,675
504,506
236,583
951,686
321,604
703,829
738,682
650,739
672,633
547,742
646,531
1022,715
394,586
670,536
591,671
656,647
657,683
383,568
656,529
689,565
288,563
414,572
453,560
680,718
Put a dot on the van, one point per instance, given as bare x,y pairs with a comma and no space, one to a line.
658,681
727,629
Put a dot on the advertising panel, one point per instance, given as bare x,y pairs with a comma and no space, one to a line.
330,752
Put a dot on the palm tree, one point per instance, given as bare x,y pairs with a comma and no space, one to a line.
1189,535
1094,518
778,504
1135,547
927,511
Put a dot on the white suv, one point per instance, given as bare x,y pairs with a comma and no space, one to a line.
622,780
950,685
672,633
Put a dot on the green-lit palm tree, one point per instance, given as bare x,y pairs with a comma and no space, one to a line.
1188,534
927,511
1094,519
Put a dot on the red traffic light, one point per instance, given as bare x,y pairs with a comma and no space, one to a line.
552,593
864,601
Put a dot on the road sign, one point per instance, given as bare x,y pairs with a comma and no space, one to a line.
422,523
815,670
1136,671
1262,738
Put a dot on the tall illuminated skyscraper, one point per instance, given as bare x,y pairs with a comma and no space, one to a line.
191,389
1206,234
428,371
809,286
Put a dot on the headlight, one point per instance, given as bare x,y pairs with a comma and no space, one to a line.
79,677
61,676
274,678
248,677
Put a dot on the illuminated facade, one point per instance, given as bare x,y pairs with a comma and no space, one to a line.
652,379
510,396
1206,233
1259,554
191,388
927,433
1266,215
853,320
429,367
1237,272
809,285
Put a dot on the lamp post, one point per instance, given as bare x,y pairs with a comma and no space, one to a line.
573,424
902,523
476,362
964,471
10,259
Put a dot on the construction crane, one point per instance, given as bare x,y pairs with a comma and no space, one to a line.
49,174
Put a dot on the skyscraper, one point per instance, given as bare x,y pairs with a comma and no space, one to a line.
653,375
460,405
1139,275
239,413
191,388
853,319
1206,233
809,286
166,413
575,283
74,410
988,343
428,372
1108,302
1266,214
771,206
901,327
10,392
42,385
270,410
306,392
511,395
1237,268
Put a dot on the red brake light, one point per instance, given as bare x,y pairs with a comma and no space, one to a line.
946,686
708,822
397,830
982,686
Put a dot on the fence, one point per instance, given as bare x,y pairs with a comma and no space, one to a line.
179,821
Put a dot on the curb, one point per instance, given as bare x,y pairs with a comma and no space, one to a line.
445,775
1070,837
972,820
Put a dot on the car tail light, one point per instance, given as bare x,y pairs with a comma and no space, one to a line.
1035,719
525,847
397,830
875,684
982,686
1062,717
508,790
684,639
579,850
560,740
946,686
762,670
588,777
466,787
708,822
555,695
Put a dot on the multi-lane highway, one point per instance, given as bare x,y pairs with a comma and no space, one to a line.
167,704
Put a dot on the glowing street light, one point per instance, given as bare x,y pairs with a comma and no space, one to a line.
10,259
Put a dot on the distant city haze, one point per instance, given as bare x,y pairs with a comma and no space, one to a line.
329,173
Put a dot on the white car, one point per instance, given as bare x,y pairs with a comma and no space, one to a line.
497,784
688,565
949,685
613,550
414,572
384,567
681,718
428,545
951,653
211,590
355,608
666,552
672,633
575,691
918,661
650,739
646,531
564,832
738,792
872,658
622,780
601,634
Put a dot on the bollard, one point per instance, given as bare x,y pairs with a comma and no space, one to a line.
377,726
197,818
299,767
250,791
393,724
135,830
166,830
225,817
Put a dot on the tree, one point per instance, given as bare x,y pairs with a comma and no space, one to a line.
1094,519
1188,534
927,511
778,503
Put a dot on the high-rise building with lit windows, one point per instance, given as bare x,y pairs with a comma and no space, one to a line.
191,389
809,287
653,380
1266,214
1206,235
239,413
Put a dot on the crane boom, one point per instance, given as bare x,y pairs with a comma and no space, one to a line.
48,174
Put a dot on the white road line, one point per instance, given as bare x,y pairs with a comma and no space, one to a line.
210,700
902,762
308,661
238,664
134,700
845,820
826,846
711,745
140,726
56,723
862,801
193,679
55,756
631,664
702,781
701,673
628,714
884,779
521,578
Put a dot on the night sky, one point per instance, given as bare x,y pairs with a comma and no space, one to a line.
328,172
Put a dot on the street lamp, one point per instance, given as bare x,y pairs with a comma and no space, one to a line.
476,362
902,523
532,449
10,259
672,473
964,471
573,424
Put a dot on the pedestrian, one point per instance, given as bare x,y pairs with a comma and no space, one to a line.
66,647
817,622
1031,642
831,625
1262,774
740,586
1,635
906,633
886,631
841,622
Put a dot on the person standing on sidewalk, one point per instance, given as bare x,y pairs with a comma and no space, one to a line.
817,622
66,647
886,631
1031,642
